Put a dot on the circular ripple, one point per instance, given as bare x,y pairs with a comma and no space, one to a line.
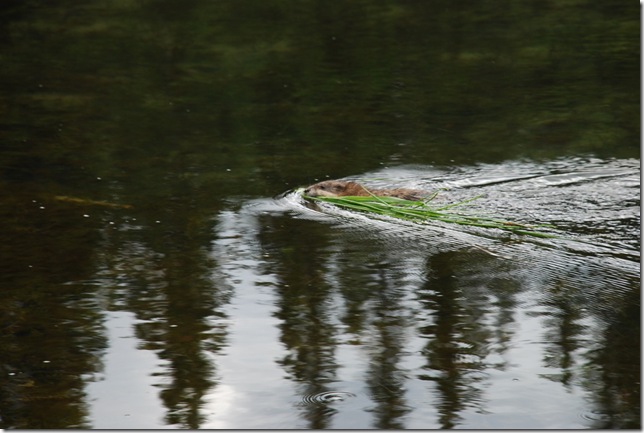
326,397
595,415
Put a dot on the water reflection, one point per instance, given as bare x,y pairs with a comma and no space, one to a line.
614,374
456,340
303,308
469,305
160,123
178,307
384,376
50,320
123,392
420,325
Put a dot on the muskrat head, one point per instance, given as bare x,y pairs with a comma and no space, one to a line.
333,188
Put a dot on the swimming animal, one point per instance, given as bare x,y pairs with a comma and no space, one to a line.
342,188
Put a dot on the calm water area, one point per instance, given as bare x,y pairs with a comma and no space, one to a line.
159,267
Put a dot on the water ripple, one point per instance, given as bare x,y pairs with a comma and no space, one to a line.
326,397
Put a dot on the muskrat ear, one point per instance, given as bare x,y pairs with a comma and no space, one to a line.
341,186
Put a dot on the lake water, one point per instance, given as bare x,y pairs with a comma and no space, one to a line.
161,270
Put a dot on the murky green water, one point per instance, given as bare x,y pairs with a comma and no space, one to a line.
157,272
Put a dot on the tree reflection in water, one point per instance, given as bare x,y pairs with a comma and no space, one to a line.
160,122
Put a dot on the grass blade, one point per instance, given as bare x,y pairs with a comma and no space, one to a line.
421,211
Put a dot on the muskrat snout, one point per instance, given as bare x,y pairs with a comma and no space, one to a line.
310,191
341,188
328,188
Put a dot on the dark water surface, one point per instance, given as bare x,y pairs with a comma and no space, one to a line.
159,271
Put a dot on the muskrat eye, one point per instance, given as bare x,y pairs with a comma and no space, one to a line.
323,187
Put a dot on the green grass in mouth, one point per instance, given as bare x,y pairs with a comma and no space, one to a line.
424,211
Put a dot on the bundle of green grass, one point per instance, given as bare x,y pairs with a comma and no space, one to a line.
423,211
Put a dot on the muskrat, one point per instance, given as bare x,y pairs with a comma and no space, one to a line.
341,188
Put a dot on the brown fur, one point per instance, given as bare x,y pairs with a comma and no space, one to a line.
340,188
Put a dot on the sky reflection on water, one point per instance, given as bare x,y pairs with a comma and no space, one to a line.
150,280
